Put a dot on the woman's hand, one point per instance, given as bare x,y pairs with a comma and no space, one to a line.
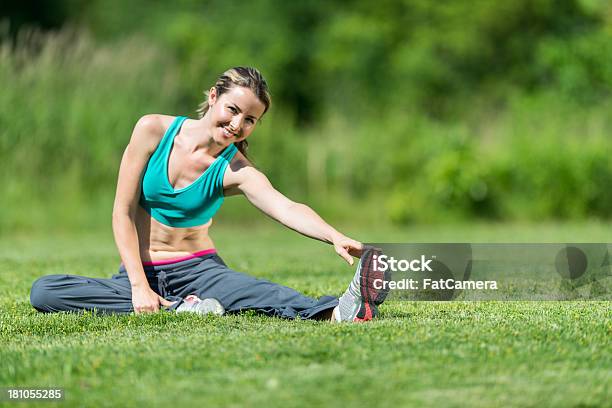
145,300
347,248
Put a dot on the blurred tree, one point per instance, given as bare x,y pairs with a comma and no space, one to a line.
45,14
359,55
407,89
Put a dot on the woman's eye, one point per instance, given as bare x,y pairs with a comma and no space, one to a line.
232,109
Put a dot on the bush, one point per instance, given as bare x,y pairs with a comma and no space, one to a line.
543,157
69,104
67,109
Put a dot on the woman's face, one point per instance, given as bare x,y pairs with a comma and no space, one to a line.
234,114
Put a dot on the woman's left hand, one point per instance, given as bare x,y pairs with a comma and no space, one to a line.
347,248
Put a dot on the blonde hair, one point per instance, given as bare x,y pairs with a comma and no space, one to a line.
247,77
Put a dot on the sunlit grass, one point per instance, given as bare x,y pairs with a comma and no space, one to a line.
478,354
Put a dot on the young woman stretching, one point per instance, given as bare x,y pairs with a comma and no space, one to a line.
173,177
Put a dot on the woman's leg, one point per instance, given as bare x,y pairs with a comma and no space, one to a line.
71,293
211,278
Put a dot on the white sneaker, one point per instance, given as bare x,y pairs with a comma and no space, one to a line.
360,300
194,304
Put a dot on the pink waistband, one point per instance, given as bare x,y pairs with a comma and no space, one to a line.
182,258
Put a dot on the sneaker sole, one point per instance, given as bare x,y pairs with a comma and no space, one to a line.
367,311
368,274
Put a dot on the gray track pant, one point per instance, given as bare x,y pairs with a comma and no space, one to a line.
206,277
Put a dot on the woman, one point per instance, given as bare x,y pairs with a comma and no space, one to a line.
173,177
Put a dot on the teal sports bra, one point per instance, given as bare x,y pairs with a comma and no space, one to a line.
189,206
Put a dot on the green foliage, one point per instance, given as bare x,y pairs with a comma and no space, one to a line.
448,179
540,159
414,110
576,67
350,55
66,113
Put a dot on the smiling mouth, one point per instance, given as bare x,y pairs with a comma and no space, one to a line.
228,134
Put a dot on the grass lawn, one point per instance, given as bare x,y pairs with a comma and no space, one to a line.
424,354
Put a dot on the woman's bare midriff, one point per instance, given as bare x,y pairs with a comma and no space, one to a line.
158,241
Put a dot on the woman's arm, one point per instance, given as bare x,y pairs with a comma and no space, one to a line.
299,217
144,140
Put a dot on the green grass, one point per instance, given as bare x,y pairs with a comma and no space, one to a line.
477,354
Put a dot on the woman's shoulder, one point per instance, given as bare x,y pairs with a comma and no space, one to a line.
239,162
241,169
150,129
154,123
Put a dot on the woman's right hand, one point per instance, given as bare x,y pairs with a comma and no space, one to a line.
145,300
